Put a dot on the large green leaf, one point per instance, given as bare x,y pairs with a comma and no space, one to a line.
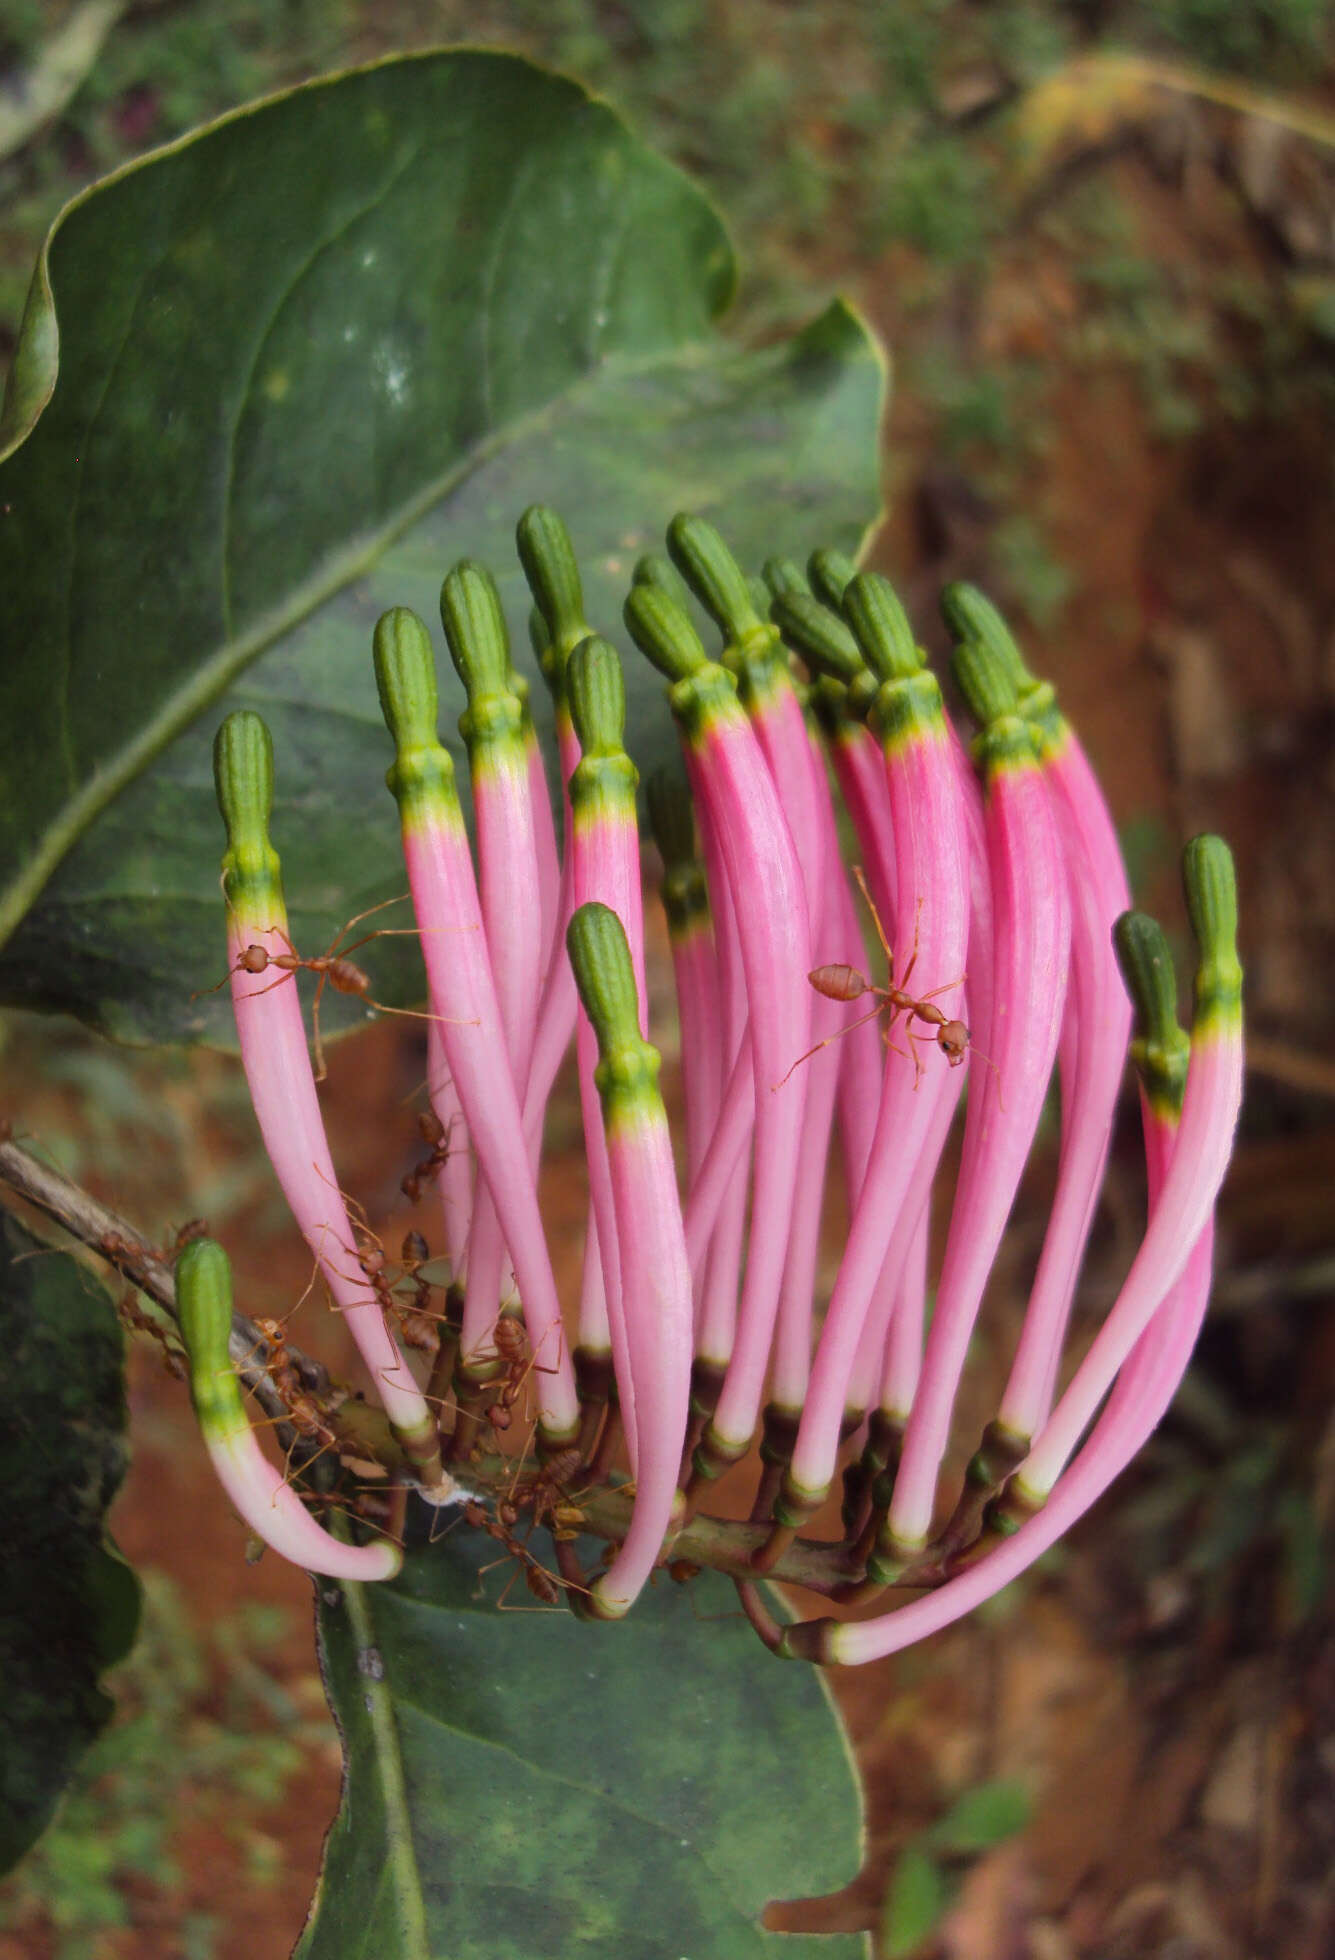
521,1783
281,375
69,1604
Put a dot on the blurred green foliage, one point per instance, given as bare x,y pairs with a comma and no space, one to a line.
205,1732
927,1872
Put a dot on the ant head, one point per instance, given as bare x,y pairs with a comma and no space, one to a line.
953,1039
499,1417
254,959
372,1261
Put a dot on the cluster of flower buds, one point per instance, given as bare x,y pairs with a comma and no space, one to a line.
994,883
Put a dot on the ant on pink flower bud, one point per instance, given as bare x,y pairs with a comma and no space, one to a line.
333,966
845,983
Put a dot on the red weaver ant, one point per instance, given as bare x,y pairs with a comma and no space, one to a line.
541,1583
333,965
510,1346
436,1137
845,983
417,1323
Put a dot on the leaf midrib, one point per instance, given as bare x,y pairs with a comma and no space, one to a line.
400,1868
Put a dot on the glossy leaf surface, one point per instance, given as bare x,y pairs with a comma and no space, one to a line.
282,375
521,1783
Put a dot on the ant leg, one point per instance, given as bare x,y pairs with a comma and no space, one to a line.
995,1070
336,946
350,1511
256,993
913,956
289,1472
419,1014
870,903
861,1021
914,1041
944,989
201,993
433,1536
320,1070
355,1207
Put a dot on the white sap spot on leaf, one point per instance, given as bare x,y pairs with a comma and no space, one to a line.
349,335
392,371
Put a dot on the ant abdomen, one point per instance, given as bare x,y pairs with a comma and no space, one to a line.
838,982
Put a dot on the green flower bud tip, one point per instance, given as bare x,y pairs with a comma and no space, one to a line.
672,819
204,1308
984,681
829,573
656,570
597,692
550,566
819,635
1212,906
662,631
405,677
600,955
470,612
243,776
970,616
872,608
714,576
1160,1047
784,575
